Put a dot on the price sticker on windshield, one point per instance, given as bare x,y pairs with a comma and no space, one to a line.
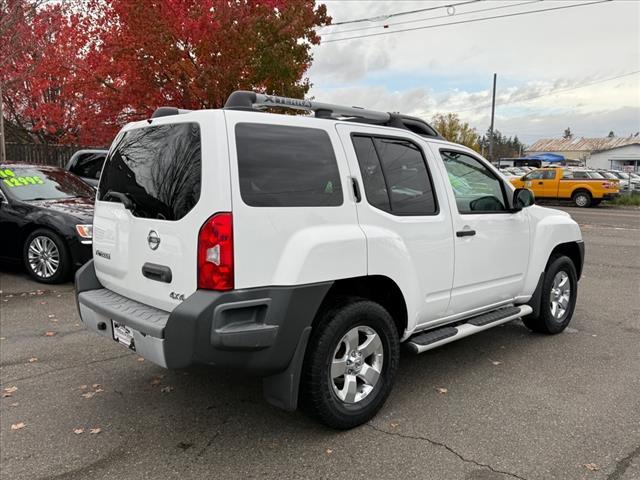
10,179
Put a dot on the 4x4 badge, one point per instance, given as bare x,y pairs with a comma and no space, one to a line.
153,239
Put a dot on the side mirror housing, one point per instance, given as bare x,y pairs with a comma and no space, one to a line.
522,198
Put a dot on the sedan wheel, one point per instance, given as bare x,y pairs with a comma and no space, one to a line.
44,257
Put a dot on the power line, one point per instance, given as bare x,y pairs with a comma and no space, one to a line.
548,94
398,14
500,7
472,20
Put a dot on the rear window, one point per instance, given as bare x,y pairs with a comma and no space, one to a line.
281,166
157,168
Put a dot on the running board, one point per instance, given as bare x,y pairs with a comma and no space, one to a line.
421,342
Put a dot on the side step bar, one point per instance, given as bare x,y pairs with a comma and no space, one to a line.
421,342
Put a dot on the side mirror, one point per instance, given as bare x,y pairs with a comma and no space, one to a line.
522,198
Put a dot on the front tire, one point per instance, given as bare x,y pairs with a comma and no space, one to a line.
46,257
558,297
350,363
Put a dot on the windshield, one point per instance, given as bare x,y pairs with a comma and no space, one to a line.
33,183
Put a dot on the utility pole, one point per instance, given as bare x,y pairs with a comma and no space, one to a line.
493,112
3,151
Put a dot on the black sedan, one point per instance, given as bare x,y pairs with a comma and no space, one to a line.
46,216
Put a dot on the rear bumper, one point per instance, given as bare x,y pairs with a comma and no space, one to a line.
610,196
254,330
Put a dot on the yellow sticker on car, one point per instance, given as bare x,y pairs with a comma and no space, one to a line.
10,179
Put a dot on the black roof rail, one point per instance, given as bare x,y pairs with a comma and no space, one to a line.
246,100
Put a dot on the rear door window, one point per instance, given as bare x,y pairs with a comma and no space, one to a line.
395,175
282,166
158,168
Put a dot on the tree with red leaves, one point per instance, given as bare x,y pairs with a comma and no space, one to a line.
77,72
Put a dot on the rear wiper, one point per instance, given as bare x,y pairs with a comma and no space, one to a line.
120,197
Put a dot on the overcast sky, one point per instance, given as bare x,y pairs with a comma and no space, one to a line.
450,68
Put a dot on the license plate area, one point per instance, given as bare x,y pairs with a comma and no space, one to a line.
123,335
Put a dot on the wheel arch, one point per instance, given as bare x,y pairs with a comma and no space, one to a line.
574,251
377,288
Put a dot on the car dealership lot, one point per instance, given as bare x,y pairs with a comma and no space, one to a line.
502,404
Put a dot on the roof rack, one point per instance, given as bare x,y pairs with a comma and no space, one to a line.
245,100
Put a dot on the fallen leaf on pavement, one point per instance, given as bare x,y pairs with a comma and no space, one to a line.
83,387
78,431
18,426
15,404
96,385
140,359
8,392
49,334
33,359
329,451
442,390
166,389
51,316
394,425
592,466
155,381
95,430
88,394
496,362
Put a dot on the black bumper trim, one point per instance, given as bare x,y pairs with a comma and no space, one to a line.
254,330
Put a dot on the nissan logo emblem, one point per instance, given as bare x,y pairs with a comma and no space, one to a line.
153,239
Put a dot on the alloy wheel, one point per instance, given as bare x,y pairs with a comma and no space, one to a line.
357,364
43,257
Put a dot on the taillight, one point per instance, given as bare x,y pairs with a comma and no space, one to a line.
215,253
606,184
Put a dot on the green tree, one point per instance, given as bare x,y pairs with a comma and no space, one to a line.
611,134
567,133
503,146
455,130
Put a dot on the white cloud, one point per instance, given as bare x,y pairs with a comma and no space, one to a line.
534,55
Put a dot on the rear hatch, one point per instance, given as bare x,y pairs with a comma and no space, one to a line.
152,202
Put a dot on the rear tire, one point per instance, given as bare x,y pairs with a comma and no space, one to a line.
582,199
350,363
46,257
558,297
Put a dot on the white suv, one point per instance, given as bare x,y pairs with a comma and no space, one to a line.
306,249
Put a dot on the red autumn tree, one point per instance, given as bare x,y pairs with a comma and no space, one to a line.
102,63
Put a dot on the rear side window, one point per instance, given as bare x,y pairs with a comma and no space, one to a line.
395,175
282,166
157,169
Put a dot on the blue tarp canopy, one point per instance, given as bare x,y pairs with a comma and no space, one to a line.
545,157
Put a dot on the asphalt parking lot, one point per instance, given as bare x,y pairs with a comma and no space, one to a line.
517,404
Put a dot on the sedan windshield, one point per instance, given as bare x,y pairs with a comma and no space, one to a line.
33,183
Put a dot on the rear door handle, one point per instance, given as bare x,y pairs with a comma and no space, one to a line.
465,233
159,273
356,189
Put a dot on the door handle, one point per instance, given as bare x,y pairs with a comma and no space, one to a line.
356,189
159,273
465,233
540,183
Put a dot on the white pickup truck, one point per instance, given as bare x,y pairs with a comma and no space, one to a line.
306,249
